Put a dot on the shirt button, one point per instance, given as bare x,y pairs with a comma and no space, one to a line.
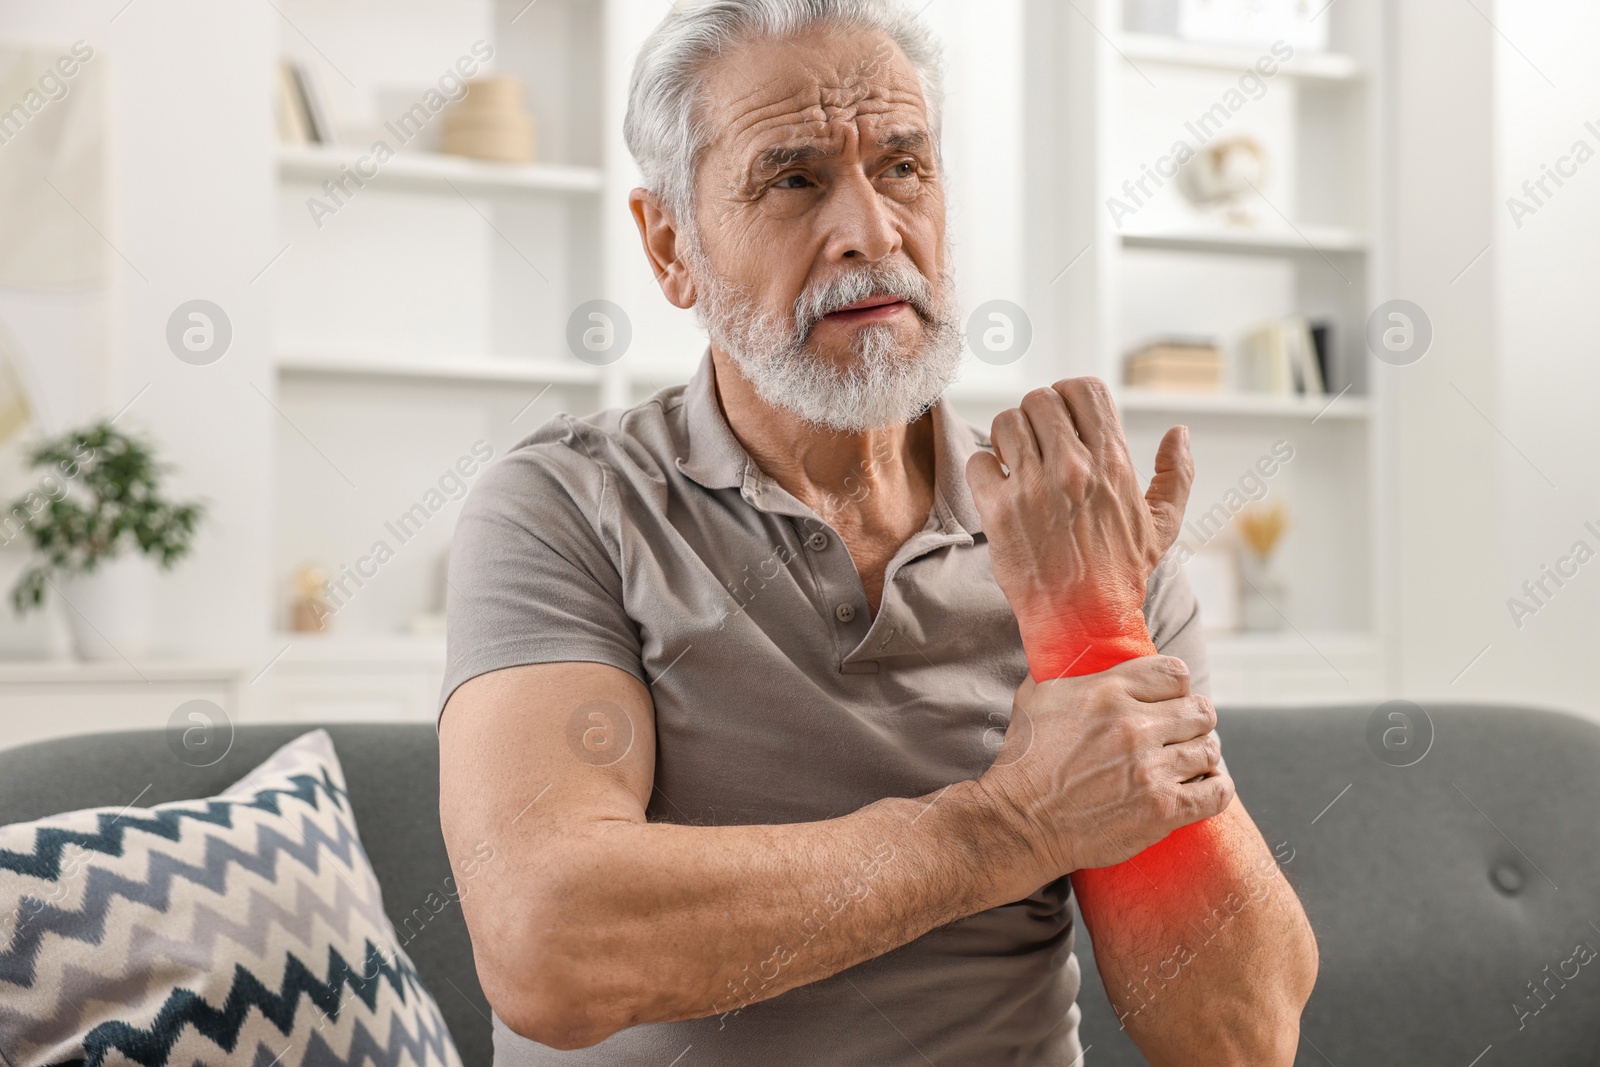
817,541
845,612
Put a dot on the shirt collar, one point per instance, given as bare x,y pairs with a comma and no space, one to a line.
717,460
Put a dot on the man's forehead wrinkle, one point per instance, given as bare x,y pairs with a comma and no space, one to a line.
738,56
857,76
763,108
752,84
824,115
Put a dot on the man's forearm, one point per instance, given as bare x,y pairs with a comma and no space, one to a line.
1202,946
1201,943
638,922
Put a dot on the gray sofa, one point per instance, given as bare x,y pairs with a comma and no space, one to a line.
1439,891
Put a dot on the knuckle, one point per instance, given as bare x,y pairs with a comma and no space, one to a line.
1144,777
1124,735
1108,709
1005,421
1224,793
1167,806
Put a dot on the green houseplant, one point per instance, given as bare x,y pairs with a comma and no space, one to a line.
99,503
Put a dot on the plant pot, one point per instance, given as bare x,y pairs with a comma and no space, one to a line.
109,612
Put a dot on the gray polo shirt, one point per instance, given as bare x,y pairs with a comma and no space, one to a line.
647,538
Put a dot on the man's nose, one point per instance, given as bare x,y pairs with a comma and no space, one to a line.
860,221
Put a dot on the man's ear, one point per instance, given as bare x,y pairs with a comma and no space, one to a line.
660,236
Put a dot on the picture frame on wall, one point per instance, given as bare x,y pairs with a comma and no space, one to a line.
1256,23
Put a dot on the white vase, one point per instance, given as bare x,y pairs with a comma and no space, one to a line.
109,612
1263,596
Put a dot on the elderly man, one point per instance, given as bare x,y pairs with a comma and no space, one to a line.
729,671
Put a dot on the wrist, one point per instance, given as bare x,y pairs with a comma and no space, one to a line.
1077,642
1002,838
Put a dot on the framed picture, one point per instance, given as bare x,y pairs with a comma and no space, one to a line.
1258,23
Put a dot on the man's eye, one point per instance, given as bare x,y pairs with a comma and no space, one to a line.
906,169
800,180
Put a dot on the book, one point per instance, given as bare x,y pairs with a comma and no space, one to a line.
1174,365
1322,341
15,411
1303,367
303,115
1262,363
318,118
1279,358
294,122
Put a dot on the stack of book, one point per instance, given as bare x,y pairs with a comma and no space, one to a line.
1175,365
1286,357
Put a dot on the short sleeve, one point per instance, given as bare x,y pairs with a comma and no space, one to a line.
530,579
1172,614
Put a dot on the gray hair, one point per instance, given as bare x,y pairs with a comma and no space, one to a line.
664,128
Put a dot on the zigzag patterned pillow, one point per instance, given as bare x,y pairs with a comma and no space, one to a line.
245,930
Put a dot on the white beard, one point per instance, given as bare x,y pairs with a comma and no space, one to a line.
883,385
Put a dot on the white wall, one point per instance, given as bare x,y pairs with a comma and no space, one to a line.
192,211
1494,475
1547,382
1443,472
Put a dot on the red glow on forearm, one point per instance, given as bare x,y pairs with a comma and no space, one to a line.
1146,902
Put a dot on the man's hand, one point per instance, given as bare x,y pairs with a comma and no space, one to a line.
1097,767
1072,543
1072,540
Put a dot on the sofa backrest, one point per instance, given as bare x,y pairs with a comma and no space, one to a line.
1450,897
1442,893
392,772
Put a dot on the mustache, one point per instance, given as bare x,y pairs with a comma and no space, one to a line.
898,279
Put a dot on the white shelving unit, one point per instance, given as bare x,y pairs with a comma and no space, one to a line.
490,370
424,318
1121,101
1245,405
358,678
445,175
1303,240
1151,48
429,311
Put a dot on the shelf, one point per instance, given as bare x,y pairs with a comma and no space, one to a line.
1308,241
25,672
1174,51
1347,408
422,172
489,369
1246,644
422,650
971,394
1292,669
